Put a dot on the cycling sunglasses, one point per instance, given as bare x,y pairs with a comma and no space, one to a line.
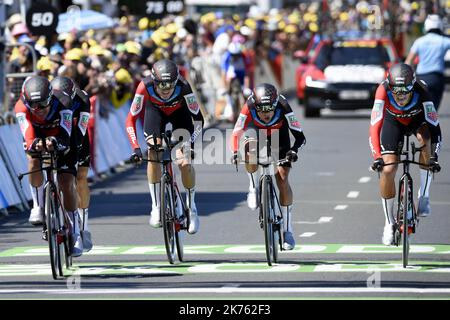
402,89
166,85
265,108
40,105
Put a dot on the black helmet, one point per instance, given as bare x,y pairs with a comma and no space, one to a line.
65,85
265,97
165,73
401,78
37,92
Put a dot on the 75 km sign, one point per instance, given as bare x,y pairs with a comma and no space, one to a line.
159,8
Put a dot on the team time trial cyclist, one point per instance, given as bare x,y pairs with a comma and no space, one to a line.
268,112
45,119
403,105
166,97
79,143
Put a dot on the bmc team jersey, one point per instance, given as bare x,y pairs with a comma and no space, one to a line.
393,121
57,123
182,99
283,121
81,107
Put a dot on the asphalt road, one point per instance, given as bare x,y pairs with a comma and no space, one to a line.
338,223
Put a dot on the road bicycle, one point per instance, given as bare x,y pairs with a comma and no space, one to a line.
406,217
270,216
174,212
56,227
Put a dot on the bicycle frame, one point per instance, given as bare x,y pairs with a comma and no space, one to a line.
62,232
405,200
172,222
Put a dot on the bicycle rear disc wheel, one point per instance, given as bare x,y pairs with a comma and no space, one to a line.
168,219
51,218
268,227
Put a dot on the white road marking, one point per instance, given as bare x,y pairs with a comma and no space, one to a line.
341,207
307,234
321,220
353,194
325,174
364,179
228,290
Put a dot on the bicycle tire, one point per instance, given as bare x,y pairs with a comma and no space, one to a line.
179,232
66,237
405,234
51,217
275,227
268,232
167,218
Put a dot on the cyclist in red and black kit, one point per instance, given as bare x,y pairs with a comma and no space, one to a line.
80,144
45,119
166,97
270,114
403,105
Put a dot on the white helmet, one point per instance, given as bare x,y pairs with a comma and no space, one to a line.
235,48
433,21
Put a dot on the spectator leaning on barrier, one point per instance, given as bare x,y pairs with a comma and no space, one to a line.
430,50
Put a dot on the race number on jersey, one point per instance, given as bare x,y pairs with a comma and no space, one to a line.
192,104
430,113
377,111
136,105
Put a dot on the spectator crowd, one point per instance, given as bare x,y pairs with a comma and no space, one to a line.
109,63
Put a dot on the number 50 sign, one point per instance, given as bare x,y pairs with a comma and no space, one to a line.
42,18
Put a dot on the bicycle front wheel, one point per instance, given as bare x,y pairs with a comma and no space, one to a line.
267,222
168,219
52,221
404,218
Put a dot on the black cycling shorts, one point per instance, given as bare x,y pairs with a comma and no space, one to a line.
155,121
65,163
277,150
392,132
84,154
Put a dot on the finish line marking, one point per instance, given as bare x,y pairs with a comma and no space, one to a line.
99,250
163,268
227,290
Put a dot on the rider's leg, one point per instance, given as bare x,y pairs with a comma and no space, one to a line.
83,205
154,185
188,179
153,125
37,192
392,133
286,199
424,139
66,182
251,165
83,195
387,190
